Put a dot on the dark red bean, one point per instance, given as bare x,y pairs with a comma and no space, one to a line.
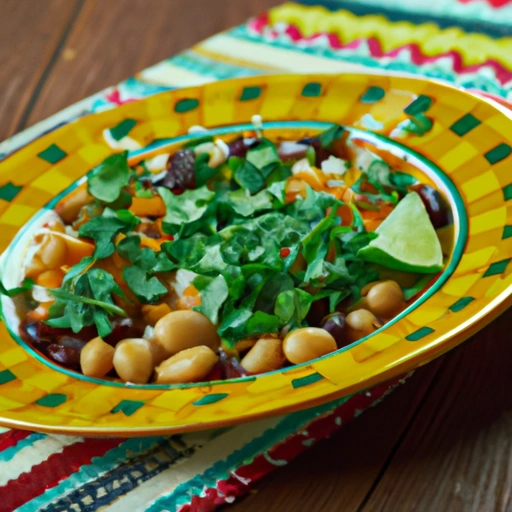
180,170
321,153
150,229
318,311
66,356
240,146
435,204
231,366
123,328
335,325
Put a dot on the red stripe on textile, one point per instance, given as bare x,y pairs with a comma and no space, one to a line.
503,74
493,3
50,472
240,481
12,438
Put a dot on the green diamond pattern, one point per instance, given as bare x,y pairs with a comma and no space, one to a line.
498,267
52,154
306,381
312,90
6,376
464,125
9,191
210,399
52,400
128,407
498,153
372,95
419,334
421,104
186,105
122,129
461,304
250,93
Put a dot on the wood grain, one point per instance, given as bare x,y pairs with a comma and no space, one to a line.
30,34
338,473
109,44
457,455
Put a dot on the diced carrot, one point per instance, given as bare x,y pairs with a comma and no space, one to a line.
312,179
40,313
69,207
152,313
151,243
34,267
50,279
190,299
346,215
148,206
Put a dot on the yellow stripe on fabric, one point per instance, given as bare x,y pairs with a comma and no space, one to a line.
474,48
225,48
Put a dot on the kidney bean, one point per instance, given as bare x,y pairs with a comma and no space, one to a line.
68,356
318,311
180,170
335,325
435,204
240,146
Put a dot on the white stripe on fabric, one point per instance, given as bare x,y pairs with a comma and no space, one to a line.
168,74
265,55
33,455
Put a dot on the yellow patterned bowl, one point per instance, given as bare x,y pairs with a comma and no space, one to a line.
466,153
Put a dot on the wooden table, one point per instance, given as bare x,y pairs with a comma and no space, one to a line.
442,442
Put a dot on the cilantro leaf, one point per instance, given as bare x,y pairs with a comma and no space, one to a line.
262,323
108,178
213,293
263,154
26,285
147,289
185,208
203,172
104,228
328,136
84,300
246,174
244,204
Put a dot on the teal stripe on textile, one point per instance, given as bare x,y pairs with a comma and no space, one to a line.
222,468
208,67
87,473
10,452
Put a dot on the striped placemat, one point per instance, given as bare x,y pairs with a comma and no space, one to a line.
465,42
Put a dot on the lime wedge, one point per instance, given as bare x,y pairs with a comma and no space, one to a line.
407,240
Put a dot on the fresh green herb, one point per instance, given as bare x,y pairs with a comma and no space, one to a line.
202,171
86,300
416,288
213,292
311,156
246,174
197,142
148,289
402,180
25,286
263,155
104,228
185,209
330,135
108,179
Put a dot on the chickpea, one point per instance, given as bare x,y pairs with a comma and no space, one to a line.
133,360
386,299
266,355
97,358
360,323
307,343
53,251
190,365
180,330
50,278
